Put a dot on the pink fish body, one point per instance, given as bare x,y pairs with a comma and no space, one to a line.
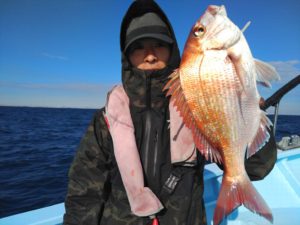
215,92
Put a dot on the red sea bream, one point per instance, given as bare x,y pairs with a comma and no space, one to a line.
215,92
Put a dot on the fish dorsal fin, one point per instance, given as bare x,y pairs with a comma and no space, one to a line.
261,137
222,11
265,73
178,99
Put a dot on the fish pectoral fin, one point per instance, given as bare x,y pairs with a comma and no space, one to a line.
261,137
172,83
178,100
206,149
233,194
265,73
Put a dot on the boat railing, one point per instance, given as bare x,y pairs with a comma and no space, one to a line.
293,141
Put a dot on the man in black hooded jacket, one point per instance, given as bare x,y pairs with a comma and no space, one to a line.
96,194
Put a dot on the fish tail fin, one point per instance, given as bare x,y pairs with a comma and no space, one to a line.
235,194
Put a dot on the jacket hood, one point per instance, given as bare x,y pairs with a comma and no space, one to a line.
144,88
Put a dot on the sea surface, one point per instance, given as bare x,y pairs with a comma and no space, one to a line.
37,146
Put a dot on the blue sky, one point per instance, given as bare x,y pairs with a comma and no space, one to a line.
65,53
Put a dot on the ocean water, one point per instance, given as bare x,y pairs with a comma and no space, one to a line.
37,146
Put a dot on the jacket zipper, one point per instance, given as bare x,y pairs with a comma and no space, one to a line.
155,152
148,124
148,92
147,139
148,128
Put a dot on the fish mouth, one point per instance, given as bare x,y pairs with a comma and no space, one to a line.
214,10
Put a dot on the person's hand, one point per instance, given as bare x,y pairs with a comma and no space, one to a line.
261,102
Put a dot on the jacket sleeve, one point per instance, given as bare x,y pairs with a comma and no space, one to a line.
89,176
261,163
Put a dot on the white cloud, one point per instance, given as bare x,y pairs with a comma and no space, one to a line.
51,56
287,69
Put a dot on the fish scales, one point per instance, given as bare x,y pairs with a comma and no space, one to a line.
204,88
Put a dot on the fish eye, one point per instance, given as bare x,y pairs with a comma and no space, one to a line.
199,31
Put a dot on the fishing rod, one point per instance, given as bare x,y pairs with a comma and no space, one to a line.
276,97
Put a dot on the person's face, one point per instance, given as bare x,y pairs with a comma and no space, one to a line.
149,54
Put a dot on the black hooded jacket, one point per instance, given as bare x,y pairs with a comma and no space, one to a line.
148,103
96,194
